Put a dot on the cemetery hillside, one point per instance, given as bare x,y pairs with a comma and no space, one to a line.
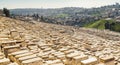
39,43
59,32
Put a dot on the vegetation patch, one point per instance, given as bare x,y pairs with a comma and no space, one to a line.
105,24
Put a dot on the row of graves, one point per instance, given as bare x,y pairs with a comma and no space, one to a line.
18,50
12,53
99,47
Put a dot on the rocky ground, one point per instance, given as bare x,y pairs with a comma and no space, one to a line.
51,44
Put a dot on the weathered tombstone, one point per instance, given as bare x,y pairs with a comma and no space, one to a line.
15,35
77,60
10,49
108,60
33,61
69,57
26,58
12,55
90,61
1,55
4,61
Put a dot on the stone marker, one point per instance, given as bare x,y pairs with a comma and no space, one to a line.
108,60
77,60
12,55
100,64
69,57
33,61
4,61
90,61
27,57
13,63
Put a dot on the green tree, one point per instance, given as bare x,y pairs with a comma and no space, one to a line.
42,18
6,12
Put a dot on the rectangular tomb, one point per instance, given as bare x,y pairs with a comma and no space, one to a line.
33,61
90,61
108,60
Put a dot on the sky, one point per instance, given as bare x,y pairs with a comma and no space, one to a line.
12,4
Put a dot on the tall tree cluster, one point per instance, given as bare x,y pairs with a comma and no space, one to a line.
6,12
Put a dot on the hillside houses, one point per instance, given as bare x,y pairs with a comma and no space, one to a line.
118,19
